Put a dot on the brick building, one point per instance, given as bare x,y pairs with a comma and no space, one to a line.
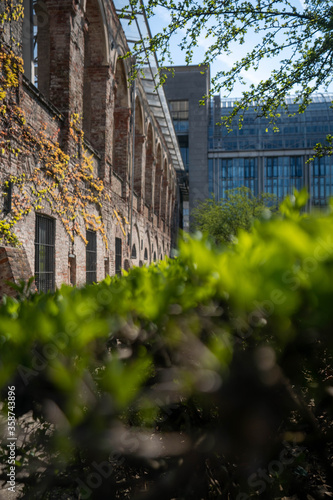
82,205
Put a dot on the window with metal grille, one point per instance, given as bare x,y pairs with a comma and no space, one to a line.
7,206
91,257
118,256
44,253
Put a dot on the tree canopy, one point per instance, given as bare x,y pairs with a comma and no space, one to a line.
300,35
223,219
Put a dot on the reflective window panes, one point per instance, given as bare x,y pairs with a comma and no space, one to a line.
321,180
267,158
282,174
231,173
179,115
184,149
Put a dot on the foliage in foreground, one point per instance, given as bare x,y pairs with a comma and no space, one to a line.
204,377
238,210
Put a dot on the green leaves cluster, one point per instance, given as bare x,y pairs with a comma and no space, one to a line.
238,210
299,36
183,378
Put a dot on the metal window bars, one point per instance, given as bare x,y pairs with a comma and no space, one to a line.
91,257
44,253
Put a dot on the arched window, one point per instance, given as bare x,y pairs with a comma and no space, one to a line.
36,44
149,169
95,76
133,255
29,41
158,182
146,254
139,144
121,124
154,256
127,265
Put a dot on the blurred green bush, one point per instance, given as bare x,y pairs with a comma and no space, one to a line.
207,376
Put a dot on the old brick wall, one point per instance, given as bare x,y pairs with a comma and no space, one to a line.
80,73
14,267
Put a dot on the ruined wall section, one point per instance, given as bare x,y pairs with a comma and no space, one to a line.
82,90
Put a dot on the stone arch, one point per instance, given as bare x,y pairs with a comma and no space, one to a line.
105,47
158,181
156,248
41,73
139,148
149,169
136,244
127,265
121,120
96,74
148,246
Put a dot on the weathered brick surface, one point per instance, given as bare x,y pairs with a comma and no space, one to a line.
14,266
80,72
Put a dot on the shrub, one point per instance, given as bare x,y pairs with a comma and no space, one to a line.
207,376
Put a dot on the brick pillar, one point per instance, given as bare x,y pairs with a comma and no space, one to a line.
61,39
164,196
121,137
96,122
14,267
138,170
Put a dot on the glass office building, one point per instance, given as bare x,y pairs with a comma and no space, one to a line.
267,161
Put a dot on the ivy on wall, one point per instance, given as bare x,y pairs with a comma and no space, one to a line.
66,183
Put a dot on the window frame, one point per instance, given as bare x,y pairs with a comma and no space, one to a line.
45,253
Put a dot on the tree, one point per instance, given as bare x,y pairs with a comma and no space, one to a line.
223,219
301,36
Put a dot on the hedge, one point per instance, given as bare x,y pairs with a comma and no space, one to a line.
206,376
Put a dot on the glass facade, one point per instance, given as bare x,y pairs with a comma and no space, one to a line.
179,111
179,114
231,173
321,180
271,161
282,174
184,150
299,131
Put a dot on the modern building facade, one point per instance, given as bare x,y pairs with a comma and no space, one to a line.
255,156
271,161
87,161
184,91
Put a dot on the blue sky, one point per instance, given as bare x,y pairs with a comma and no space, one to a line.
223,61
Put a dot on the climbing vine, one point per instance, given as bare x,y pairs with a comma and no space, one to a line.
66,183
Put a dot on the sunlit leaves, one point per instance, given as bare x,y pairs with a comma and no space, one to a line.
222,220
304,34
